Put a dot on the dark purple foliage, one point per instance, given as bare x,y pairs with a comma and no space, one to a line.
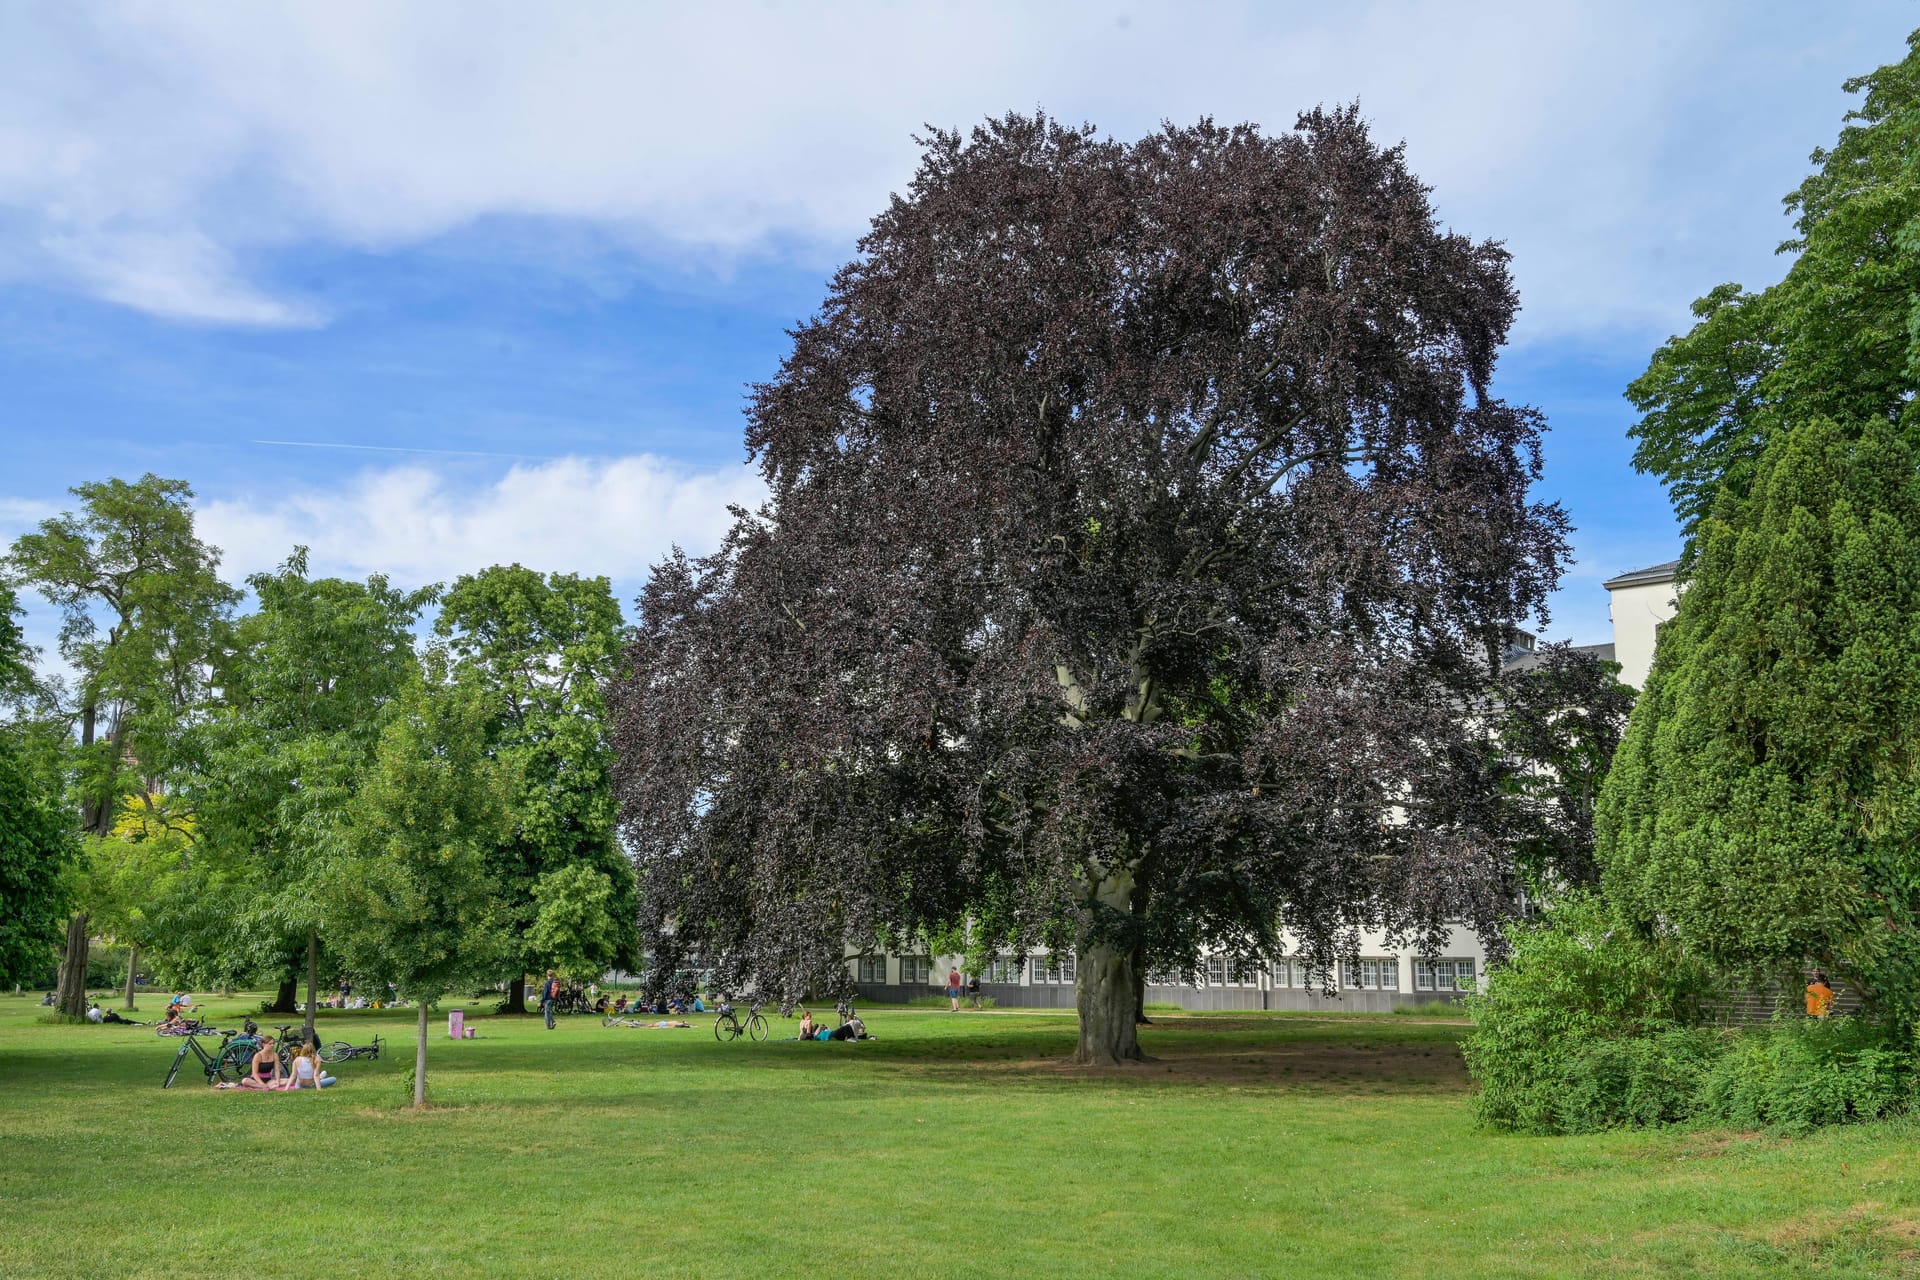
1141,527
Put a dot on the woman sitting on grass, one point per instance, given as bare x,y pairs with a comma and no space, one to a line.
307,1071
264,1071
807,1027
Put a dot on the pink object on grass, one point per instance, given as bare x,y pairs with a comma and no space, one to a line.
456,1025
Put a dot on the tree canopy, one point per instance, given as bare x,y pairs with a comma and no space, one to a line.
408,897
536,648
1762,806
302,702
1835,338
142,617
39,845
1142,527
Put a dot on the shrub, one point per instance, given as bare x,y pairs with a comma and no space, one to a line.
1636,1081
1575,978
1796,1073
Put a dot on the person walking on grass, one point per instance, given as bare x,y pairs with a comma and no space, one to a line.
973,990
549,996
953,988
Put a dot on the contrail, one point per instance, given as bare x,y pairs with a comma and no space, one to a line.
395,448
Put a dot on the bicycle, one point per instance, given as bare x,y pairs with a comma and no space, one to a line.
341,1051
234,1053
288,1043
729,1027
621,1020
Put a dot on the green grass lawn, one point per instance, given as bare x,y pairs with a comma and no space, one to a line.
951,1146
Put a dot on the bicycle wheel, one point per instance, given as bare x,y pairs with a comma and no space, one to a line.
174,1070
608,1021
725,1028
336,1051
757,1027
239,1056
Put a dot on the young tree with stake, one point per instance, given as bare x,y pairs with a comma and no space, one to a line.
409,896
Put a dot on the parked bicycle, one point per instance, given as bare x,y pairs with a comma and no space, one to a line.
184,1027
234,1053
728,1025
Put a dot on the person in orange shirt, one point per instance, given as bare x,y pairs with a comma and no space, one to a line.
1819,996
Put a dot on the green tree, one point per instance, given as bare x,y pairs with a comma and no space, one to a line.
17,679
38,848
143,612
537,650
1765,804
1557,723
574,927
410,898
1836,338
303,697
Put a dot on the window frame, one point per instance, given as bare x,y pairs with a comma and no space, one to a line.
1457,968
1364,973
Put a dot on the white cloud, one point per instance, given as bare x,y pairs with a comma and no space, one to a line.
182,274
415,524
153,153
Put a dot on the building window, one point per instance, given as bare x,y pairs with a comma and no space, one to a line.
916,971
1442,975
1058,968
1299,975
1216,974
871,969
1380,974
1001,971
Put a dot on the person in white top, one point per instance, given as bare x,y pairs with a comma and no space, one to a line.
307,1072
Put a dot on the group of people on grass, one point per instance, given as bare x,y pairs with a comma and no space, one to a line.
264,1069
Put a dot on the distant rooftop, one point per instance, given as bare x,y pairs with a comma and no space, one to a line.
1522,661
1644,577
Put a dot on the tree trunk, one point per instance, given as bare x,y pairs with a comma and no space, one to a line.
516,994
313,979
96,814
1105,992
71,997
420,1061
133,962
285,996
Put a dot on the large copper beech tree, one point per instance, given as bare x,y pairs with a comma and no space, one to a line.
1141,532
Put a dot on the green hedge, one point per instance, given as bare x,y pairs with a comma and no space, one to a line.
1592,1026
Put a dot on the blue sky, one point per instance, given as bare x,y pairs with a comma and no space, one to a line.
525,259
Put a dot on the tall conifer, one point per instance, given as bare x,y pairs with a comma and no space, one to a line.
1763,805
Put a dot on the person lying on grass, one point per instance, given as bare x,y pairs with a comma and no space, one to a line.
851,1029
96,1014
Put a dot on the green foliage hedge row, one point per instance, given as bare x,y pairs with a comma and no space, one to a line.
1587,1028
